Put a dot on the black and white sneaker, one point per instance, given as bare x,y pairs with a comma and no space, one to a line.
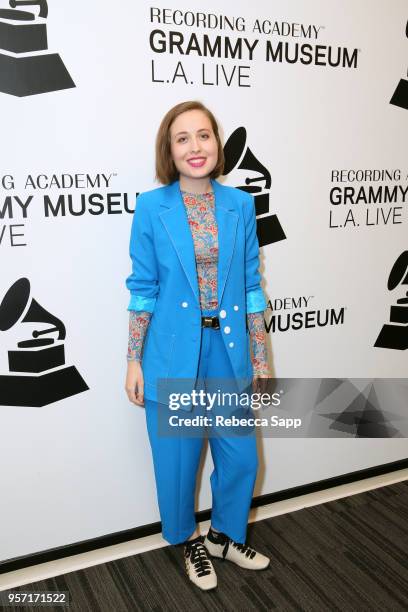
220,545
199,568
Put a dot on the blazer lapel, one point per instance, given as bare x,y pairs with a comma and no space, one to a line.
227,221
174,219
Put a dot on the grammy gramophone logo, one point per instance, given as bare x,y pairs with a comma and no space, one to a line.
400,95
37,372
394,335
238,155
26,67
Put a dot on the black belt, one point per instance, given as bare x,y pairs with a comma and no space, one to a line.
210,322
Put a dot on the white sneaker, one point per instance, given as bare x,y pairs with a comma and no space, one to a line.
199,568
220,545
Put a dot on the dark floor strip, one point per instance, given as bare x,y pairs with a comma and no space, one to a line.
345,555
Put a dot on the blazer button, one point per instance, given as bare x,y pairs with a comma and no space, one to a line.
184,304
227,329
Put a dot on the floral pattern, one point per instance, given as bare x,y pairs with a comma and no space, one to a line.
200,210
257,334
138,323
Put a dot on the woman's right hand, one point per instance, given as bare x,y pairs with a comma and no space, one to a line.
134,383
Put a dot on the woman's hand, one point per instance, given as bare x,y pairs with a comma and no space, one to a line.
135,383
260,382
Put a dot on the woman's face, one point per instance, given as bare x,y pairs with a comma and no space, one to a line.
194,147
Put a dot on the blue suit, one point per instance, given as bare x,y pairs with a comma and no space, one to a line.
164,282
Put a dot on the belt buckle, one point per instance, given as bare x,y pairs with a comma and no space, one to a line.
208,321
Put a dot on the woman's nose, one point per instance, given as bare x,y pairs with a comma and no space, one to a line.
195,145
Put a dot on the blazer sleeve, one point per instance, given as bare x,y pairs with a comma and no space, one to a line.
143,281
255,299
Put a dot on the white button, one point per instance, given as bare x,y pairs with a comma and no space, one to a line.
231,344
235,307
223,314
184,304
227,329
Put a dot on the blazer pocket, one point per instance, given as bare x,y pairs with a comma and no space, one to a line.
157,355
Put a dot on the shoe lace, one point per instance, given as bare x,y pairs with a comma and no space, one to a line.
223,539
198,557
244,549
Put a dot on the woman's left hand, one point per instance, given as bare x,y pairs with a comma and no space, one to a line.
260,383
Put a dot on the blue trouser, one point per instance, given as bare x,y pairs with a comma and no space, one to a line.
176,460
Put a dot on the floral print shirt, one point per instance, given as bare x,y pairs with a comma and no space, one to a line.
200,210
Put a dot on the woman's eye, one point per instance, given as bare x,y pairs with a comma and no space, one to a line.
205,136
182,139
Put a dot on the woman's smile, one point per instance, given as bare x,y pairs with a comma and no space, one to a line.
197,162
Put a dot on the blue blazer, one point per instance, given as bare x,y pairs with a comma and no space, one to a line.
164,282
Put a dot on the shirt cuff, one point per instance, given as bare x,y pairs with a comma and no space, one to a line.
138,302
255,301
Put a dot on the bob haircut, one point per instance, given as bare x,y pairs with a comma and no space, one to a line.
166,171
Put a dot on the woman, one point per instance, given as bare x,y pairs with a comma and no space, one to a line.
196,305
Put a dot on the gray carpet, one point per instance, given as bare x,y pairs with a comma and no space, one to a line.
344,555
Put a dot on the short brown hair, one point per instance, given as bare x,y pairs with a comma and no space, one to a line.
166,171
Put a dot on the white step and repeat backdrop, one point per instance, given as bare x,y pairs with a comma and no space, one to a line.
312,97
